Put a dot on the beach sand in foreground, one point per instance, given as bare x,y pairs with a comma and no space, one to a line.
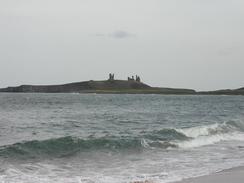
235,175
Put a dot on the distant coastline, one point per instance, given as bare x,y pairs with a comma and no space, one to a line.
112,86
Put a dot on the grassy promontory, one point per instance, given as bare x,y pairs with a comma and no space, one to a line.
114,87
104,87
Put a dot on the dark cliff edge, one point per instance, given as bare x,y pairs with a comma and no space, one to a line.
107,86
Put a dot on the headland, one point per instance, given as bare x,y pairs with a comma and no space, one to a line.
133,85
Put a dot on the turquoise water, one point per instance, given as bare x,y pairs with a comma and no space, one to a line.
94,138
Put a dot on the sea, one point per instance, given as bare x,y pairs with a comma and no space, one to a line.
118,138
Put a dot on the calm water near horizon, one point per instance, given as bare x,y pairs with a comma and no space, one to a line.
93,138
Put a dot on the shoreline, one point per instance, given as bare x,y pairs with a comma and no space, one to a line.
232,175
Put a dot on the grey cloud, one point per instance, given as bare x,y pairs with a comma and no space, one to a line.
121,34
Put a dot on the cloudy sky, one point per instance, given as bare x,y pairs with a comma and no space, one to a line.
195,44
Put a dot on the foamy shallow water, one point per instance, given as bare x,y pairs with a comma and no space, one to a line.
118,138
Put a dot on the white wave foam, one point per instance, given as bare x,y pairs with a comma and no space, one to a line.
199,130
208,140
209,134
144,143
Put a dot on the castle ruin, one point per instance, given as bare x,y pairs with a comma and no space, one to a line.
132,78
111,77
138,79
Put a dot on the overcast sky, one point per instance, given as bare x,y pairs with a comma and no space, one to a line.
195,44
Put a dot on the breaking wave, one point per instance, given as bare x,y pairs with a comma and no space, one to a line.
164,139
211,134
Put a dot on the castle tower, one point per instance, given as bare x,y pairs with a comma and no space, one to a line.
111,77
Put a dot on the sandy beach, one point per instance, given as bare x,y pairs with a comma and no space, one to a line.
235,175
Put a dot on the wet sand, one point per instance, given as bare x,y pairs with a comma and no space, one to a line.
235,175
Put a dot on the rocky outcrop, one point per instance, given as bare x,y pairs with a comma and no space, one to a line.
79,87
114,86
176,91
108,86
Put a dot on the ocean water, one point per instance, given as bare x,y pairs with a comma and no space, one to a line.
92,138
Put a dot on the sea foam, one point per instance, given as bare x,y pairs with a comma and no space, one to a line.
210,134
